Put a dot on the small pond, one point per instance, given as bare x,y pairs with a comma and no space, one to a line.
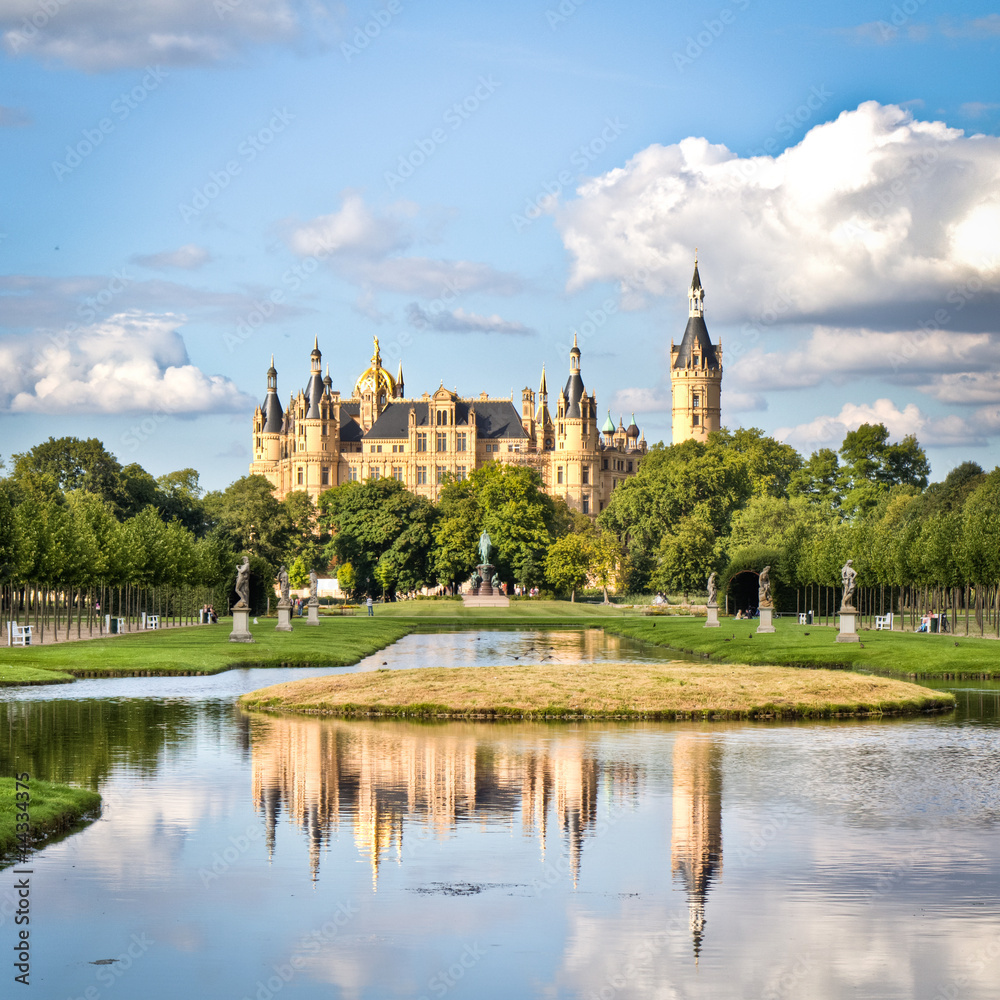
247,856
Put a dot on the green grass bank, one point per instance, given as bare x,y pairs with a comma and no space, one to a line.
901,654
53,809
201,649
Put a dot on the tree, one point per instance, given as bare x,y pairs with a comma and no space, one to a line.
249,517
568,563
72,464
686,557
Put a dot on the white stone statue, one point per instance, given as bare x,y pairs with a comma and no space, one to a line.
849,578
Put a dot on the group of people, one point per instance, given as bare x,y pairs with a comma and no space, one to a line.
520,591
208,615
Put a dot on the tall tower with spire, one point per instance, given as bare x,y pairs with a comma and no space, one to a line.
695,373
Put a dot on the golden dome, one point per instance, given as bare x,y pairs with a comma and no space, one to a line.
375,378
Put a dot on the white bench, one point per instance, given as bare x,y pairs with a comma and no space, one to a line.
119,624
883,622
150,621
18,635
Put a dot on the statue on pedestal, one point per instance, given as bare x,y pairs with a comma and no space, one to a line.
313,587
713,590
484,548
849,578
764,588
283,583
243,583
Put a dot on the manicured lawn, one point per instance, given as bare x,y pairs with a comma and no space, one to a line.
905,654
601,691
53,809
203,649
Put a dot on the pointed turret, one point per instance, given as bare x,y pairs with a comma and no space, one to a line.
327,381
574,384
399,380
314,390
271,407
609,425
632,431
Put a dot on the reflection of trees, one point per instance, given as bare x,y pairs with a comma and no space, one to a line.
82,741
376,776
696,836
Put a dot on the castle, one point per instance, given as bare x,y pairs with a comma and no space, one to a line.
320,439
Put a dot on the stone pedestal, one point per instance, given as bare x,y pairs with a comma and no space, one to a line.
848,625
241,625
713,616
284,617
765,620
313,618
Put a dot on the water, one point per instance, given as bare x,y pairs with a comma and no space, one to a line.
249,856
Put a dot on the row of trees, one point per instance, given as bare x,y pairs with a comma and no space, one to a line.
75,522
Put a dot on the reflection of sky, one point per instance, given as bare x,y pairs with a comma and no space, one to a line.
859,860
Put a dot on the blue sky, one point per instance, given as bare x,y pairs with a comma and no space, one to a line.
192,185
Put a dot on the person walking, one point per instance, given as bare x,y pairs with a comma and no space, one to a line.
371,608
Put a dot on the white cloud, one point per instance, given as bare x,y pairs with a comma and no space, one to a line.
368,249
828,432
867,220
100,35
834,354
642,400
187,258
460,321
130,363
13,117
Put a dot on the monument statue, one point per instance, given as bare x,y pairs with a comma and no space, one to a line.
713,590
313,586
283,582
764,588
849,577
243,583
484,548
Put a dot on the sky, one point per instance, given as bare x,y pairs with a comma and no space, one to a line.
189,186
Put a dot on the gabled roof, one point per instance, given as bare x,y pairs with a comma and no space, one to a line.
495,418
696,338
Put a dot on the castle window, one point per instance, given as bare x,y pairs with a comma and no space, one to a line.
695,420
300,473
605,465
586,475
378,448
325,476
548,443
442,441
629,466
461,442
695,400
421,442
601,506
586,505
461,473
421,475
353,471
397,473
559,474
441,473
375,474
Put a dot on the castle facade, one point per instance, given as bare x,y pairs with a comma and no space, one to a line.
321,439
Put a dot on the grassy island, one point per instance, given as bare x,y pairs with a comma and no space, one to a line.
601,691
54,809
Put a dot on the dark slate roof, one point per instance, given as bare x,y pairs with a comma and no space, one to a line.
272,414
314,393
696,337
350,430
574,393
494,419
696,279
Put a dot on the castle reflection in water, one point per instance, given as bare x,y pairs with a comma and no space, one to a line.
376,777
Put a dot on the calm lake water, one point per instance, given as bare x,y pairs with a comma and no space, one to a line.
253,856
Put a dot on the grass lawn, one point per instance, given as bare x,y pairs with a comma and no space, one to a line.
202,649
53,809
529,612
905,654
601,691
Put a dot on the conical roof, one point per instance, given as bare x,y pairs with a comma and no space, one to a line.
633,430
609,425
